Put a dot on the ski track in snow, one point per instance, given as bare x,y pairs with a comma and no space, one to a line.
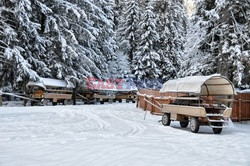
113,134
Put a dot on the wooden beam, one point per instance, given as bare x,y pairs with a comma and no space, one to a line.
185,98
22,97
82,96
147,101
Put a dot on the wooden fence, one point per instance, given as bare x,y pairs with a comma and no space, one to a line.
241,105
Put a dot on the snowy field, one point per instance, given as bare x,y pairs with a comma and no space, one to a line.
112,135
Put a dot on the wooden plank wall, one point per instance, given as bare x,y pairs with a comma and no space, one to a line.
241,105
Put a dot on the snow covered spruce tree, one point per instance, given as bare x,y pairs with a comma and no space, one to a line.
127,34
23,45
193,59
59,39
118,11
171,25
225,43
106,40
6,25
146,59
73,36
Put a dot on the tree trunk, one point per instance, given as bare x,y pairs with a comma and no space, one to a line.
1,100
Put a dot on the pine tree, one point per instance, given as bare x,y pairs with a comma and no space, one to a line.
225,44
127,34
71,31
193,61
171,24
19,35
146,60
65,39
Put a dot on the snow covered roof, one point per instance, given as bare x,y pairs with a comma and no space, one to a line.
202,85
48,82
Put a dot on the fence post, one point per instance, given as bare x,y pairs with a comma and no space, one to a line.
152,107
145,104
240,111
137,100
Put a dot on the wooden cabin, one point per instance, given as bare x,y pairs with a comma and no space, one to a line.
107,92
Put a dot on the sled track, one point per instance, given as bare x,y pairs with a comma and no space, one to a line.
86,121
135,128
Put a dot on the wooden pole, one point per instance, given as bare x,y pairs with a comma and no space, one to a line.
74,96
145,104
152,107
137,100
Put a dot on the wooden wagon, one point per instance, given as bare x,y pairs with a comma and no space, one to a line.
98,92
49,90
200,100
126,91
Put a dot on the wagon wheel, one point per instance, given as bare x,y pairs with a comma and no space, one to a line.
65,102
94,101
45,102
166,119
194,125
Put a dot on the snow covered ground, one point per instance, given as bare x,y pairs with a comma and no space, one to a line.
112,135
